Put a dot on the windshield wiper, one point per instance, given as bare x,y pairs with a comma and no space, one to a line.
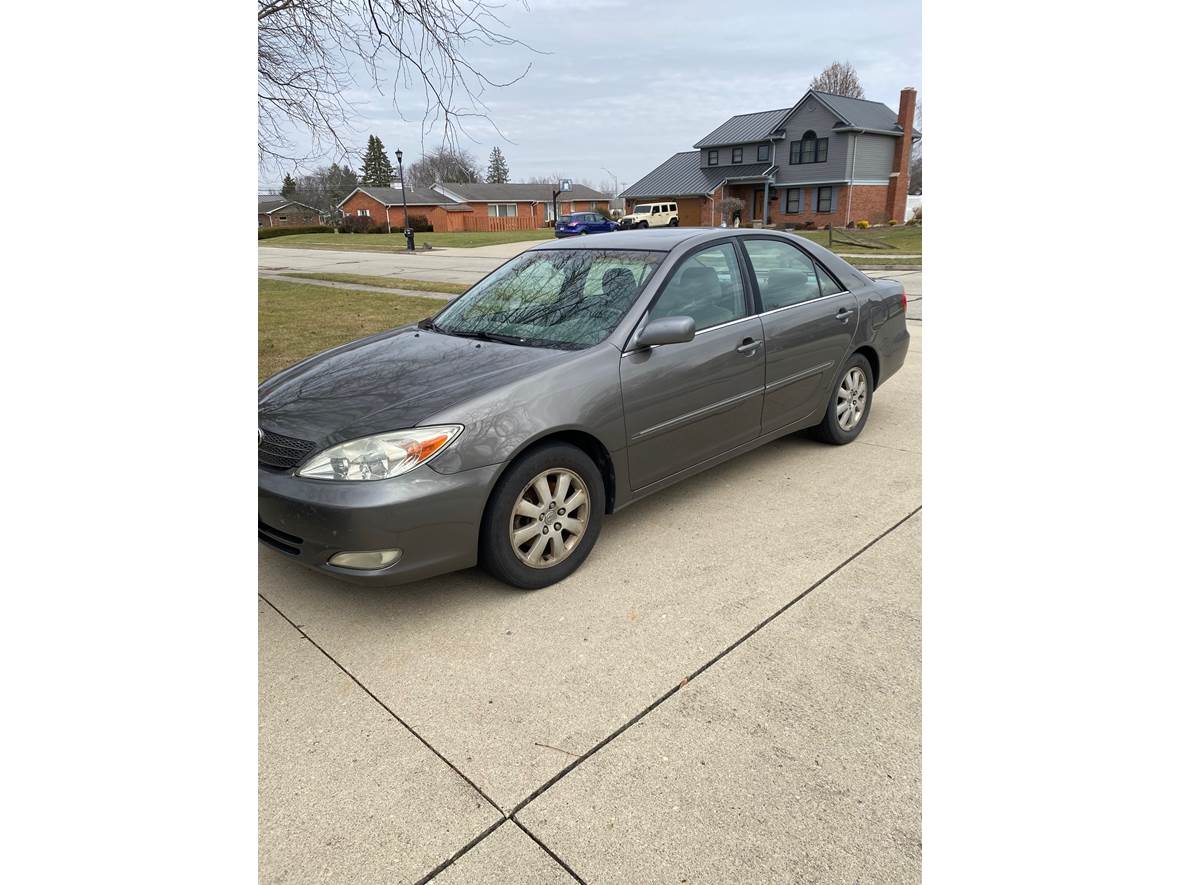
491,336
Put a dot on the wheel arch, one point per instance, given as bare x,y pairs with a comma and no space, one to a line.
870,354
588,443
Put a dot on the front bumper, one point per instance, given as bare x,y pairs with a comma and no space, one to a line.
433,518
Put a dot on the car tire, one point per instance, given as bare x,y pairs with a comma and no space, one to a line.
853,390
583,233
675,222
512,510
643,224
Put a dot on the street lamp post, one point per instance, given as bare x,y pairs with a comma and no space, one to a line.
405,207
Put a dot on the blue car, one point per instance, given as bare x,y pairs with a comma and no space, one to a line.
583,223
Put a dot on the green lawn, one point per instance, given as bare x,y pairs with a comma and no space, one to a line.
396,241
905,238
384,282
296,320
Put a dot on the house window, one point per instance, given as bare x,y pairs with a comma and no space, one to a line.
809,149
282,218
794,199
502,210
763,153
364,212
823,199
736,155
713,159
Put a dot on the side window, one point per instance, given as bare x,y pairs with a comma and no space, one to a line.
736,155
712,158
763,153
827,283
785,275
706,287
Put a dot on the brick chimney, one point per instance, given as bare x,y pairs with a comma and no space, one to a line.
899,179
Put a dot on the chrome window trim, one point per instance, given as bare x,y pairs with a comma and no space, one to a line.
801,303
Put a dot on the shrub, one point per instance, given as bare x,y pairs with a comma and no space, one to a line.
731,208
863,224
421,224
265,233
916,218
892,222
356,224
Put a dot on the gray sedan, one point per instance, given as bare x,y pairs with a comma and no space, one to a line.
573,380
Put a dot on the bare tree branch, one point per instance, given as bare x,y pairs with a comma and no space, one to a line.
839,78
308,51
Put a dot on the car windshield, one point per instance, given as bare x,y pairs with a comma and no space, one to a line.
642,210
568,298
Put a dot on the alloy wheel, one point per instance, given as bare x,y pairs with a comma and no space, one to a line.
851,397
549,518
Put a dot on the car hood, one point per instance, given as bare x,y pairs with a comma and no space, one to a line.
389,381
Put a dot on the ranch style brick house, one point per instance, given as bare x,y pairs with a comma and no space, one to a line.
453,206
827,159
277,211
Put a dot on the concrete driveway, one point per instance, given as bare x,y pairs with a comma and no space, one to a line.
727,691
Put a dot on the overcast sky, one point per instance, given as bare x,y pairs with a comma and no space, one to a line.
627,83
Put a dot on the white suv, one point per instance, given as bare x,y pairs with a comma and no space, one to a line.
652,215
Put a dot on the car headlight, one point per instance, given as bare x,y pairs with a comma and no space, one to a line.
381,456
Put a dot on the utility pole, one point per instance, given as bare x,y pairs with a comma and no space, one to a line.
405,207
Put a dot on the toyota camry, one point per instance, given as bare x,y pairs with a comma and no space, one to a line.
575,379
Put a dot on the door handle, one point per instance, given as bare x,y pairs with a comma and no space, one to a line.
843,314
749,345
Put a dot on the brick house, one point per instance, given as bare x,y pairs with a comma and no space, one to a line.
452,206
275,210
825,160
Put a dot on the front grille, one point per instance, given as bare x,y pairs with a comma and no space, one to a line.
282,452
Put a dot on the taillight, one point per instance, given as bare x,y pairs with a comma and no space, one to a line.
904,302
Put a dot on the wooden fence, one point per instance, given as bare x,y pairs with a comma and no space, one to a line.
475,221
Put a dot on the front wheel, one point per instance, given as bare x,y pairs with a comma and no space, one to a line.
643,224
543,517
848,409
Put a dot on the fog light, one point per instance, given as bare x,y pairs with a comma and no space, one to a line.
366,559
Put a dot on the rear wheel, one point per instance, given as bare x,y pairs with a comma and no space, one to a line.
848,409
543,518
583,233
675,222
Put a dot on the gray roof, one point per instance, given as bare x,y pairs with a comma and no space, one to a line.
744,127
681,175
268,203
858,113
481,192
392,196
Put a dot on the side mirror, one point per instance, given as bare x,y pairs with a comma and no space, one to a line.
667,330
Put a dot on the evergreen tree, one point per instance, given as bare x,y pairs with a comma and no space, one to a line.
376,170
339,183
497,167
288,186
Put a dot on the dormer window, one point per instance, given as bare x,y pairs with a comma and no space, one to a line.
712,158
809,149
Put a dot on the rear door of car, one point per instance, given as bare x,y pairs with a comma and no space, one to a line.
809,320
685,403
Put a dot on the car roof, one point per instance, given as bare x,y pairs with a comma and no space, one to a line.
661,239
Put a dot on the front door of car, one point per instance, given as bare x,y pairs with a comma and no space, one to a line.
685,403
809,320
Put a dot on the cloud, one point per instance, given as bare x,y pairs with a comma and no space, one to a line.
625,85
